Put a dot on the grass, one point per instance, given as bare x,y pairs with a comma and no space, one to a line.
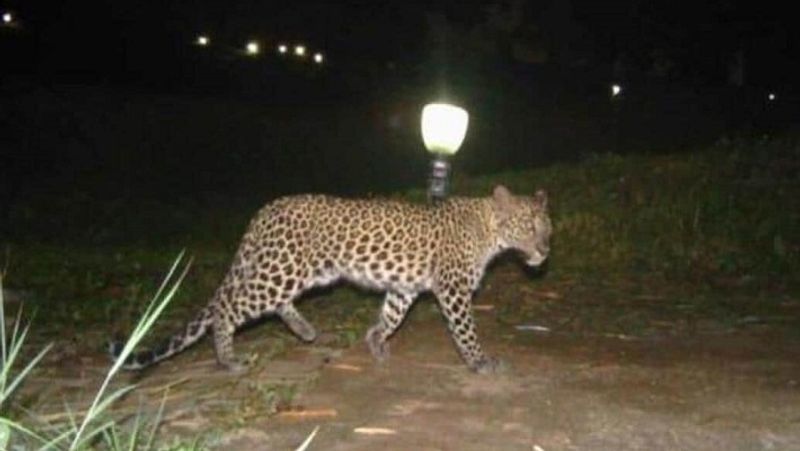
95,426
10,347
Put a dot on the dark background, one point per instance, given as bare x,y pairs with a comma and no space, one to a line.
109,103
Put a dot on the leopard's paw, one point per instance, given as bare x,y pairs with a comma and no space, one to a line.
489,365
378,347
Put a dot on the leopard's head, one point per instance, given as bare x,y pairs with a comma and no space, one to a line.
523,223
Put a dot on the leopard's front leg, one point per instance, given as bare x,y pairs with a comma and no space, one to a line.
456,304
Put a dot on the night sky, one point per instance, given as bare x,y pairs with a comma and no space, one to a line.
548,61
102,40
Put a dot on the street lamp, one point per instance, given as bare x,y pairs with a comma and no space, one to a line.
615,90
252,48
282,49
203,40
318,58
8,18
300,50
443,129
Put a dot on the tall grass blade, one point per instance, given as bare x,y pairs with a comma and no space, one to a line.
11,347
134,434
154,310
7,391
307,442
157,421
12,425
2,327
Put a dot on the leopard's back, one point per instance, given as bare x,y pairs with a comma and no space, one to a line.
379,244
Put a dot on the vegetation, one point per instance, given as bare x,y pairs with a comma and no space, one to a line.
94,427
730,213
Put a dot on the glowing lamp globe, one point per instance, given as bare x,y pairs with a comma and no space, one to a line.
282,49
300,50
444,127
771,96
203,40
318,58
616,90
8,18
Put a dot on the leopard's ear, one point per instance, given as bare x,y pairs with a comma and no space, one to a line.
540,200
503,199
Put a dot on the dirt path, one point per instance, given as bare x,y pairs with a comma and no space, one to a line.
647,374
732,392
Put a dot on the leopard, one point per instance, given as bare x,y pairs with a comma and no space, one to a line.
401,248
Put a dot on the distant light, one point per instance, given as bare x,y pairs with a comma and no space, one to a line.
252,48
615,90
300,50
203,40
772,96
8,18
318,58
282,49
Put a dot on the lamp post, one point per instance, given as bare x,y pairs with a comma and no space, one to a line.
443,129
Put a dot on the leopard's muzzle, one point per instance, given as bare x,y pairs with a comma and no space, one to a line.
535,259
537,255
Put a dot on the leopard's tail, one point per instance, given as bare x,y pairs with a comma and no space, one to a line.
192,332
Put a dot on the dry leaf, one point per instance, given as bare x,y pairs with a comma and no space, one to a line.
374,431
296,414
346,367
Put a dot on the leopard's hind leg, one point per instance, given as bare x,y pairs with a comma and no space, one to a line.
395,307
296,322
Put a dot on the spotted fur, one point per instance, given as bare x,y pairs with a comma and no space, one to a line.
300,242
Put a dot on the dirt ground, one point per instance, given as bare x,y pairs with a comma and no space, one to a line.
621,366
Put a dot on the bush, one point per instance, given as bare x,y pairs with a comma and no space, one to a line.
732,210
